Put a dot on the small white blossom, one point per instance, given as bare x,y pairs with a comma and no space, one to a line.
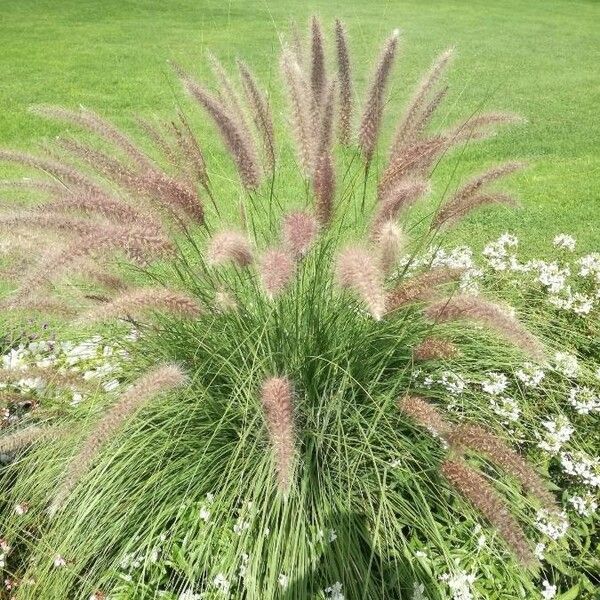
59,561
590,265
283,580
566,364
453,383
584,505
584,400
552,523
240,526
204,514
419,591
495,384
539,551
222,584
564,241
459,584
549,591
507,408
530,375
585,468
558,432
334,591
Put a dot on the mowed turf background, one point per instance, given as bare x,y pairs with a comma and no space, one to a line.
538,58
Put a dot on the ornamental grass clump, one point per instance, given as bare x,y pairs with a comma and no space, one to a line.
268,443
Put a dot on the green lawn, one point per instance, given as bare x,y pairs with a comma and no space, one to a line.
537,58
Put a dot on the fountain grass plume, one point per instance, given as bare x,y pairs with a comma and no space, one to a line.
159,380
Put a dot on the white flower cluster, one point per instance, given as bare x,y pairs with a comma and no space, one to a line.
506,408
584,400
460,584
558,432
566,364
581,466
495,384
93,359
334,591
589,266
549,590
584,505
552,523
564,241
497,253
554,276
530,375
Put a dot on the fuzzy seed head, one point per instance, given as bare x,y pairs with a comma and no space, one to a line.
424,414
299,230
391,240
159,380
484,498
482,440
276,270
277,401
466,307
138,301
433,348
358,271
229,246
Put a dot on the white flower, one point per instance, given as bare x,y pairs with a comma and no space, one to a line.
549,591
558,432
590,265
453,383
418,591
505,407
552,523
283,580
584,400
204,514
564,241
585,506
539,551
14,359
566,364
581,304
59,561
222,584
77,398
420,554
335,591
240,526
459,584
585,468
530,375
495,384
552,276
332,536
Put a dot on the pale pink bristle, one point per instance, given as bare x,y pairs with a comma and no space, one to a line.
357,271
299,230
276,270
229,246
278,404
